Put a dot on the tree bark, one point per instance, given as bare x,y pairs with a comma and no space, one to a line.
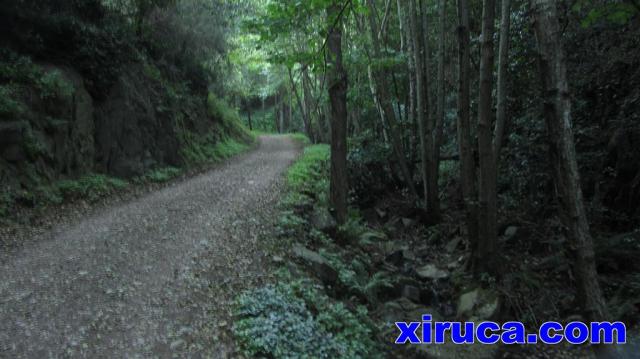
467,160
440,117
248,107
557,114
503,60
485,258
338,85
422,110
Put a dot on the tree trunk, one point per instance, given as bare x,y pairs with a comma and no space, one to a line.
440,117
303,112
486,256
503,59
248,106
381,86
420,98
557,113
467,160
338,85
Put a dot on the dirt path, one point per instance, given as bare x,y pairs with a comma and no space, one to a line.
151,278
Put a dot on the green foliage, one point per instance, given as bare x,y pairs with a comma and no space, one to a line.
198,149
7,199
18,74
308,174
9,106
619,12
367,166
228,118
301,138
230,137
162,174
277,321
53,85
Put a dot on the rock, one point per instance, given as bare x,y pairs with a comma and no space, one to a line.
412,293
430,271
408,222
128,125
467,302
453,244
510,232
478,304
317,263
381,213
323,221
277,259
14,153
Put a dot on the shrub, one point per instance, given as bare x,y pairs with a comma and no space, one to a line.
277,321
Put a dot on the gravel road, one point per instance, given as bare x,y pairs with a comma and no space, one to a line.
150,278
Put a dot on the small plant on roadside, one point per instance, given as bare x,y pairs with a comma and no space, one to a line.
162,174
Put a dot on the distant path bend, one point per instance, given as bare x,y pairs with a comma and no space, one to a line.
150,278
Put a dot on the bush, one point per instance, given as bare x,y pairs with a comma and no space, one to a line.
277,321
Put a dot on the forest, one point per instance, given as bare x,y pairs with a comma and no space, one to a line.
290,179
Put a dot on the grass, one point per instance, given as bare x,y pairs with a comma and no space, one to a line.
160,175
307,174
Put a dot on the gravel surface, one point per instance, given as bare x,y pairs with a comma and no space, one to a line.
151,278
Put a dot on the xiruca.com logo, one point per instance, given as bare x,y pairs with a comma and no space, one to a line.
435,332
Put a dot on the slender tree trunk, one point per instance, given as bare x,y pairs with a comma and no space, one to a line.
503,63
401,25
303,111
557,113
248,106
430,179
309,106
467,160
381,87
420,98
338,85
486,254
440,91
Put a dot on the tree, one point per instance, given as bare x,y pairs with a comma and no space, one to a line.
503,59
485,255
468,179
557,115
337,86
426,126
